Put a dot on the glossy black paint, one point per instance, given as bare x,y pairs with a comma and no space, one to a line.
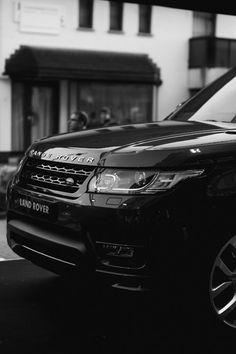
162,241
156,145
134,220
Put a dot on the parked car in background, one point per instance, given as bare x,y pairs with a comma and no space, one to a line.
143,206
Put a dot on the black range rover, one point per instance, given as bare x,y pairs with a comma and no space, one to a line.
144,206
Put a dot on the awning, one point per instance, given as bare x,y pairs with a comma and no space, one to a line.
56,63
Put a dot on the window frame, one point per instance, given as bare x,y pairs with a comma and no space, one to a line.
204,24
116,16
145,19
85,16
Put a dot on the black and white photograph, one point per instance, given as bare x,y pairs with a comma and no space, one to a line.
117,177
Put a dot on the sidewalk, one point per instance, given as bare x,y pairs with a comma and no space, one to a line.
5,251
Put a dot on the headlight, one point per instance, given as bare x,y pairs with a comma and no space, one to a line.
121,181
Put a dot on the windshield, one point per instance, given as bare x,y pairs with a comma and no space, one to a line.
215,103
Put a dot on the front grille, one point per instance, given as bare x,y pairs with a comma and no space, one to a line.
56,176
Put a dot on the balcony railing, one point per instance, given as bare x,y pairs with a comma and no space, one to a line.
211,52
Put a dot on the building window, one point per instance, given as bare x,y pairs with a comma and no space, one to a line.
203,24
116,16
129,103
85,13
145,12
34,113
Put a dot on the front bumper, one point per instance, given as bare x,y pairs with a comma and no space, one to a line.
106,235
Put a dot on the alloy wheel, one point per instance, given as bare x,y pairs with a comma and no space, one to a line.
223,284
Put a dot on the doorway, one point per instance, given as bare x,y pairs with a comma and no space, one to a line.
34,112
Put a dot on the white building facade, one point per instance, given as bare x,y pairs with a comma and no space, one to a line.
59,56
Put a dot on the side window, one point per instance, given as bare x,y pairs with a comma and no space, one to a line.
203,24
116,16
85,13
145,12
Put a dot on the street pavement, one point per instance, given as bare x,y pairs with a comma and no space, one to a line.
5,251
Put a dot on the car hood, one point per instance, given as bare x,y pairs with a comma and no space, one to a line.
164,144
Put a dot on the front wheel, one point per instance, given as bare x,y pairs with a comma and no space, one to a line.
222,285
196,296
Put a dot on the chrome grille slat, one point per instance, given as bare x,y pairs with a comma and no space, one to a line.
56,176
63,170
51,179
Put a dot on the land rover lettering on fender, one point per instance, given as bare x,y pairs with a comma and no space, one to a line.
147,206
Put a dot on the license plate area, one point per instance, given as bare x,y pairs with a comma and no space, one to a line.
36,207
